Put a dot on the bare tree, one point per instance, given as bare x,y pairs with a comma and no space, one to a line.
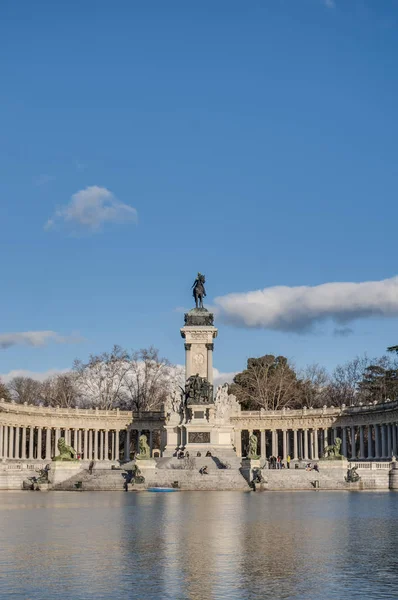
148,380
25,389
61,390
314,386
4,392
268,382
100,380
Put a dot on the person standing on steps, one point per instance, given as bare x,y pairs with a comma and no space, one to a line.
288,461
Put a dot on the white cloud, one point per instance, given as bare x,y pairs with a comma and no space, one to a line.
91,208
38,375
35,338
220,378
299,309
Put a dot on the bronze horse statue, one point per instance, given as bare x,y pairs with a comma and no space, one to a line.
199,291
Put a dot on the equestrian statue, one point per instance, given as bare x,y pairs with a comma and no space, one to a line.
199,291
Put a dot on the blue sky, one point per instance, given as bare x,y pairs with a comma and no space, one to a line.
255,141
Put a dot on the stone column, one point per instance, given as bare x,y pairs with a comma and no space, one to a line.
210,348
106,457
113,445
48,443
370,444
23,444
316,449
305,435
353,447
31,442
325,440
16,452
238,442
11,443
345,453
101,434
383,441
95,434
5,441
90,444
394,439
56,439
117,444
38,451
263,447
361,442
127,445
188,368
274,443
284,441
85,444
295,448
377,441
389,441
1,441
150,442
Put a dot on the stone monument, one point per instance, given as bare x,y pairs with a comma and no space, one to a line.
196,421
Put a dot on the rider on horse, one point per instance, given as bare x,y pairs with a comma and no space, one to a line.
199,291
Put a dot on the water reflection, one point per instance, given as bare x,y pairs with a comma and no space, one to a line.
191,546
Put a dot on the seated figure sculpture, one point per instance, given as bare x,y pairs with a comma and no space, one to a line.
66,453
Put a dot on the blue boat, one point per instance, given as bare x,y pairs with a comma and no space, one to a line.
162,489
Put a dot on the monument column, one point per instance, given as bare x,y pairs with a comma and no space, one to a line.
39,442
56,440
383,441
263,445
305,434
17,455
389,441
344,430
106,457
117,444
295,453
188,368
274,443
85,444
238,442
11,443
23,445
394,439
1,441
48,443
284,434
210,348
370,445
127,445
353,445
325,440
31,440
316,449
377,441
95,431
5,441
90,444
101,433
361,442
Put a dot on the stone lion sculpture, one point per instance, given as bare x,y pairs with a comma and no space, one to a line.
145,452
65,452
333,451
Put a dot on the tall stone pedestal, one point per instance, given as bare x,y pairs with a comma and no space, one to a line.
199,333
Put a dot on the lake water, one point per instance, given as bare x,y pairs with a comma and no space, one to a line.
198,545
